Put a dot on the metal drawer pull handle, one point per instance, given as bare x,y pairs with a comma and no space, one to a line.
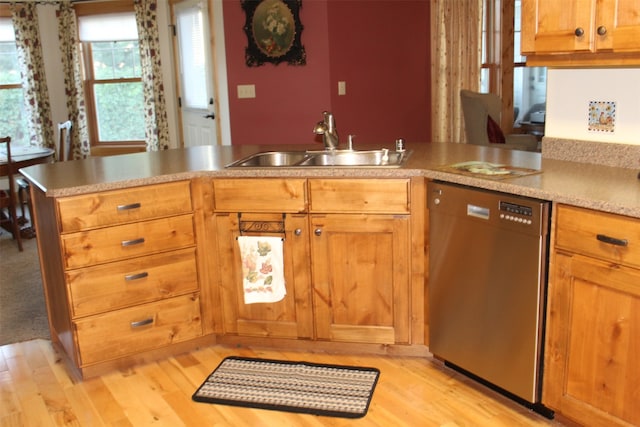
132,242
612,240
130,206
140,323
136,276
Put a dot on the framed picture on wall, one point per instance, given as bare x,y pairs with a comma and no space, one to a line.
273,31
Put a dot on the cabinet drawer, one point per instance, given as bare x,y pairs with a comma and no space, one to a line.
259,195
123,206
87,248
359,195
121,284
610,237
132,330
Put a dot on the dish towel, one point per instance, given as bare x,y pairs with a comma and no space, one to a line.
262,269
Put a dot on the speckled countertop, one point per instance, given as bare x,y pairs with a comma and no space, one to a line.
604,179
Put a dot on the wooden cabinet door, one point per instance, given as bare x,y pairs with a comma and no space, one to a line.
291,317
617,25
549,26
592,350
361,277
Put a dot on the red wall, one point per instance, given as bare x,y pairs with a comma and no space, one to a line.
380,48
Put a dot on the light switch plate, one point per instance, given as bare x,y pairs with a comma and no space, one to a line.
246,91
342,88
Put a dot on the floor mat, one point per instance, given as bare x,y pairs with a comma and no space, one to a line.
320,389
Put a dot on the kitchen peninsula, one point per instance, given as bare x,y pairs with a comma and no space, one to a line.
146,265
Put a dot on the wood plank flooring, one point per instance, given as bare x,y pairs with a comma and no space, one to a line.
36,390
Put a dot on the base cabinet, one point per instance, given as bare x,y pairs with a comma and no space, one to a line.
292,316
347,258
126,279
592,371
361,277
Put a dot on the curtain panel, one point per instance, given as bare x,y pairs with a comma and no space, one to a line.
73,84
456,61
156,123
34,83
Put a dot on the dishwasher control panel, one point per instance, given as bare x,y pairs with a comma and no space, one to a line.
515,212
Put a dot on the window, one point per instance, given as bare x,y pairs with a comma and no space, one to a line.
113,83
504,70
13,120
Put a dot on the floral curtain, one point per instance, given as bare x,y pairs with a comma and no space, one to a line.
456,60
34,84
74,90
157,130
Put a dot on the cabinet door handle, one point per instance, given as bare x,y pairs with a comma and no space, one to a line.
132,242
297,232
129,206
579,32
612,240
141,323
317,231
136,276
602,30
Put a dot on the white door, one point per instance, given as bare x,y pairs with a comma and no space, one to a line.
195,74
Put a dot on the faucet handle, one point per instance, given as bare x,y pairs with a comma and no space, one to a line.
350,142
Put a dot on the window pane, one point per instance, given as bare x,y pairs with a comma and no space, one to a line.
9,73
13,121
116,60
530,92
484,80
192,58
120,112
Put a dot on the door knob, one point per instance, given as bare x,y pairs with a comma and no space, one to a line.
297,232
602,30
579,32
210,116
317,231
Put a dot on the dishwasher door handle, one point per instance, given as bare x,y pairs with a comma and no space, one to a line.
478,211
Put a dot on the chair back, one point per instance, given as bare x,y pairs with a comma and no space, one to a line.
8,198
476,107
64,141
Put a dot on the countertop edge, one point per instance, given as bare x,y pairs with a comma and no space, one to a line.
612,189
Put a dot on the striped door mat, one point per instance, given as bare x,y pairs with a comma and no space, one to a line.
320,389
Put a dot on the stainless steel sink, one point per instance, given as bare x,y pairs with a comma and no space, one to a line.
379,158
271,159
326,158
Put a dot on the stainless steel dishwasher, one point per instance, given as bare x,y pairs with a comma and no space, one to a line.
487,276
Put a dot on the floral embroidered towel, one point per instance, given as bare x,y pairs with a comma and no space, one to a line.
262,268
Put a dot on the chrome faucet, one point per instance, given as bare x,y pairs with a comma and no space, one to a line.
327,128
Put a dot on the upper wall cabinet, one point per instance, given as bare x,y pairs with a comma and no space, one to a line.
581,32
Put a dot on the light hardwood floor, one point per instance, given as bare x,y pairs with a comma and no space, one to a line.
36,390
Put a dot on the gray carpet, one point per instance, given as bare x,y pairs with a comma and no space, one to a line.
23,315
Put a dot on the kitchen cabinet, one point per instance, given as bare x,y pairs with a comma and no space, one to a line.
127,278
593,32
264,207
593,319
347,258
360,259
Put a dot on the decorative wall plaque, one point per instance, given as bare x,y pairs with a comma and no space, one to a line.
273,31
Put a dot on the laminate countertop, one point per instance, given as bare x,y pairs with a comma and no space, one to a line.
610,185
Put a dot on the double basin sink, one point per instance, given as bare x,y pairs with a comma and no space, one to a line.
342,158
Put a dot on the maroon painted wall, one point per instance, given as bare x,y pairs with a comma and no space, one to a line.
379,47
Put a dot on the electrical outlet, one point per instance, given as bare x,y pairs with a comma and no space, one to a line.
342,88
246,91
